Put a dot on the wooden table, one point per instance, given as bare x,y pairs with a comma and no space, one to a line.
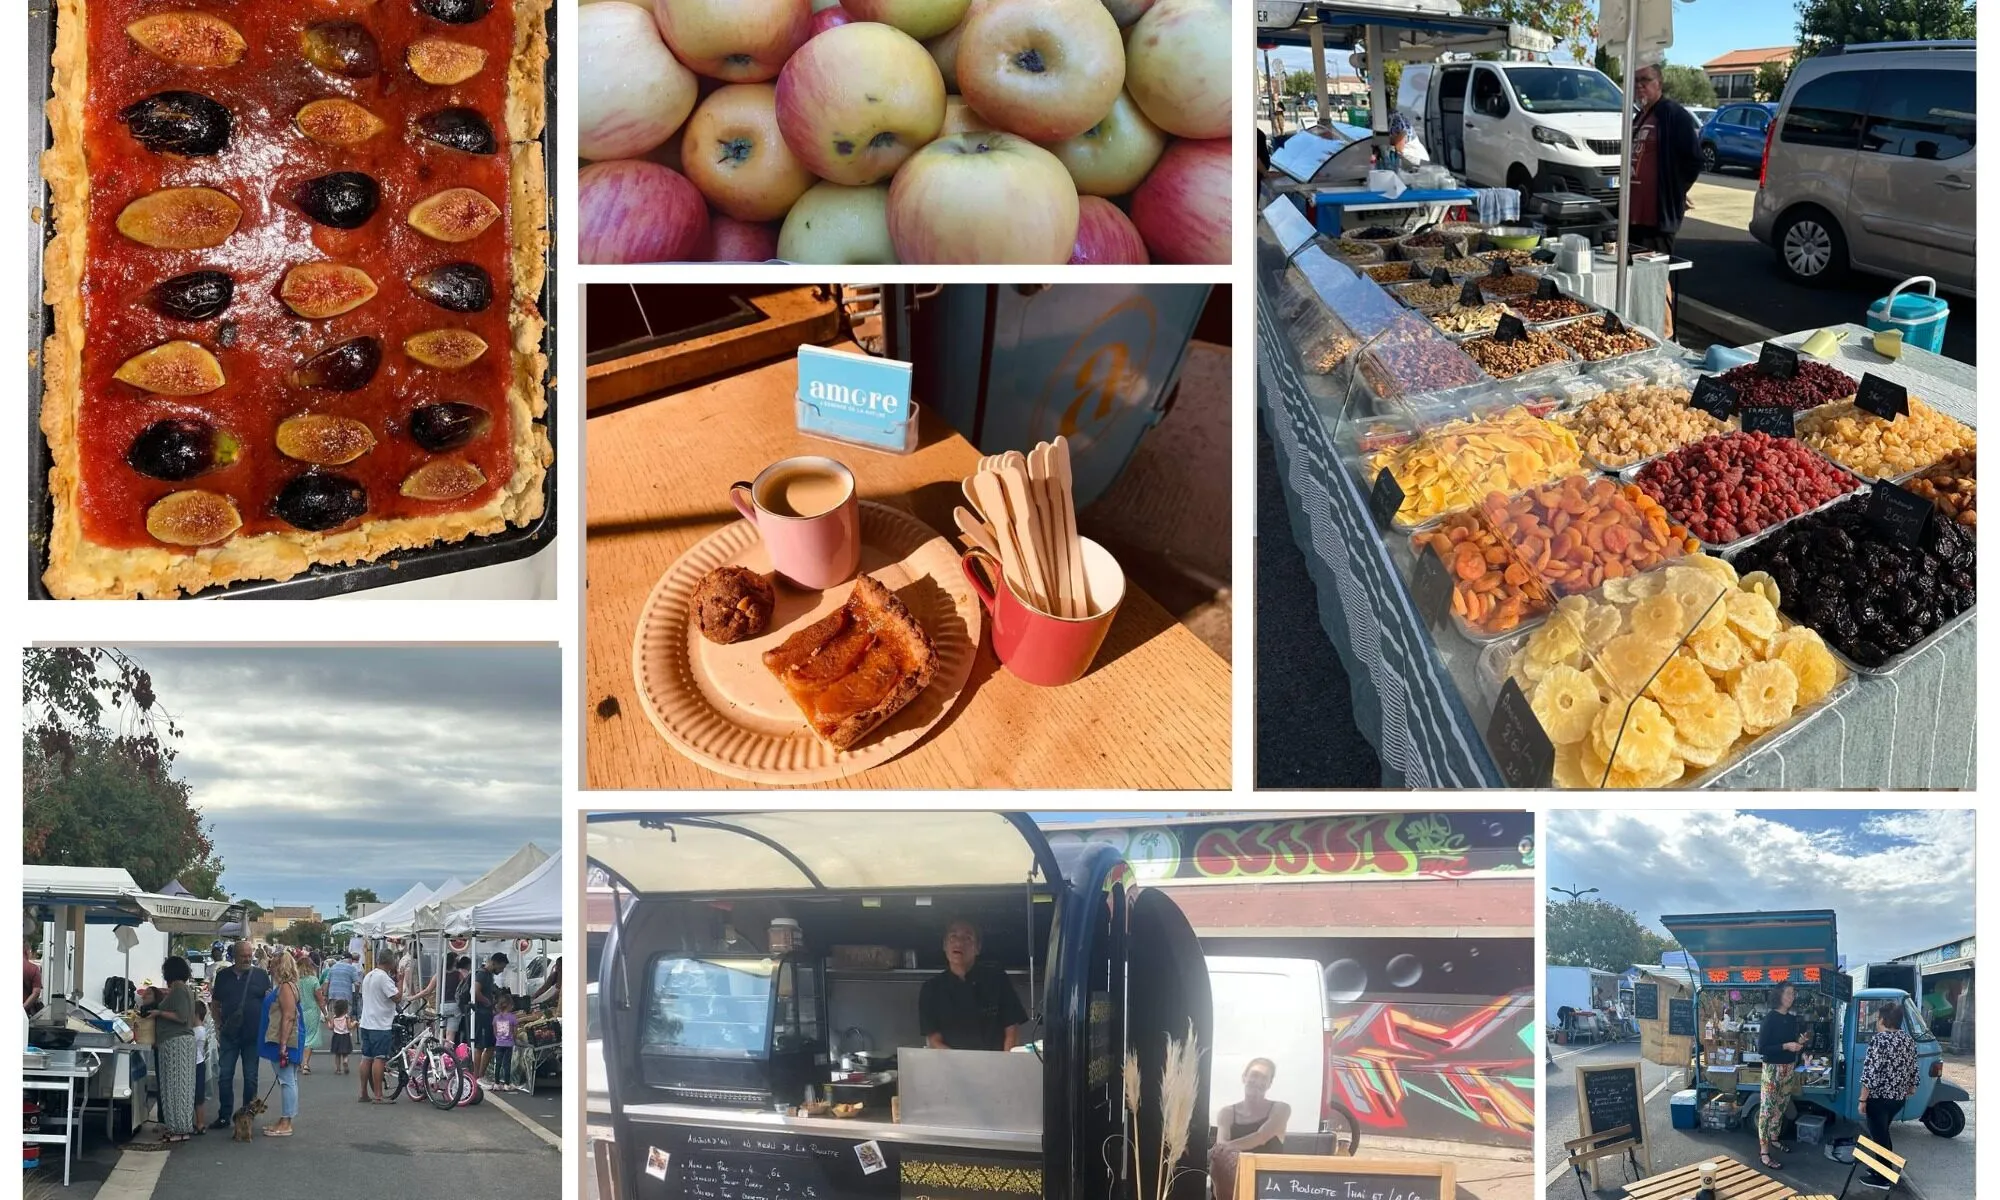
1153,712
1733,1181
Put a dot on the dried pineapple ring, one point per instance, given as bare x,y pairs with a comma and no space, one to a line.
1642,586
1568,771
1629,780
1629,660
1718,648
1806,654
1699,756
1718,568
1565,702
1557,640
1591,764
1681,681
1766,692
1761,583
1716,721
1660,618
1638,737
1753,614
1619,590
1604,624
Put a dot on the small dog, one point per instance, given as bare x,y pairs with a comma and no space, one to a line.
245,1118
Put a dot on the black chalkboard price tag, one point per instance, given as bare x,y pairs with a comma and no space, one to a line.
1901,513
1468,296
1384,498
1611,322
1440,277
1417,272
1291,1176
1546,289
1455,246
1680,1018
1543,254
1713,397
1500,267
1510,329
1778,362
1886,400
1646,1001
1775,421
1523,752
1430,589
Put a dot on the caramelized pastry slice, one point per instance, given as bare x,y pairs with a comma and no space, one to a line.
856,668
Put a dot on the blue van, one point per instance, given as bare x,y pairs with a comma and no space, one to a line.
1733,135
1740,959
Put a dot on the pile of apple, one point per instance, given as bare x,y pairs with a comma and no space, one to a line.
912,131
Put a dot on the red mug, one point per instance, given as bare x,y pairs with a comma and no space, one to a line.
820,549
1037,647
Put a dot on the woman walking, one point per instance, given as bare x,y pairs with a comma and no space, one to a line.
282,1041
311,993
173,1048
1779,1041
1888,1080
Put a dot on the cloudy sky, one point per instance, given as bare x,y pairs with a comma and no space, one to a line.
321,769
1898,881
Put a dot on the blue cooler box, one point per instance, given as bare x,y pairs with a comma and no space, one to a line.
1682,1108
1920,318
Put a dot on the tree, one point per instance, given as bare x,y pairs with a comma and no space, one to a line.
1392,79
1610,64
1299,83
204,879
1827,23
89,801
311,935
1771,77
1597,933
358,896
252,911
1571,21
1686,85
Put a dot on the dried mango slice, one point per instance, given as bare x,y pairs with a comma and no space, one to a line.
1767,692
1566,702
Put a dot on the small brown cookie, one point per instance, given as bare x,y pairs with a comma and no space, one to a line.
733,603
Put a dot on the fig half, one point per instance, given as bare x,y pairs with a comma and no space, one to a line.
172,369
337,122
453,215
192,518
188,39
443,479
185,218
323,289
324,439
445,349
443,62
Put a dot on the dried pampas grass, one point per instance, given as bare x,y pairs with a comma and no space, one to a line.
1180,1084
1132,1094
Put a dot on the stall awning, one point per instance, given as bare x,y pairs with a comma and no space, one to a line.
1758,942
667,854
184,914
435,914
110,896
532,908
1413,32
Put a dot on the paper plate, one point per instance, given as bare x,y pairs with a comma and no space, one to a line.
721,707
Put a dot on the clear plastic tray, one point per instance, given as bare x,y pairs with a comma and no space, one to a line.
1723,549
1627,359
1566,366
1403,293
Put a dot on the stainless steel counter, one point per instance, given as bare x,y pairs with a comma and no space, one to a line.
933,1135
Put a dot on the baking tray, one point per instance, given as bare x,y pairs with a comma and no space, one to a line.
1723,549
1493,672
320,580
1898,661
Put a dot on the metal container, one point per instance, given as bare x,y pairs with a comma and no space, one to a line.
1602,364
1723,549
1897,662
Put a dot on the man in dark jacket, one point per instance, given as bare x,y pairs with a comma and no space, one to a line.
237,999
1666,158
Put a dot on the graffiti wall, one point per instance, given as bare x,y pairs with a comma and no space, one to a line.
1373,846
1431,1037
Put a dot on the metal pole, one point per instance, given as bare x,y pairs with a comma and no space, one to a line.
1378,79
1625,172
1316,34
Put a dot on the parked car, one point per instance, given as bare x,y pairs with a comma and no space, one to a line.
1870,164
1733,135
1535,127
1700,112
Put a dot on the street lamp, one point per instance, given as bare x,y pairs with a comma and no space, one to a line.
1573,893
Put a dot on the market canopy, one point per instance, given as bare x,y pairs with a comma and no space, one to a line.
434,914
1733,943
532,908
110,896
396,916
1411,32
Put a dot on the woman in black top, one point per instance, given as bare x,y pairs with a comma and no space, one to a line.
1888,1079
1252,1125
1779,1041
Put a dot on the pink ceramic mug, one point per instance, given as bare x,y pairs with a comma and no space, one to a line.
1046,650
806,511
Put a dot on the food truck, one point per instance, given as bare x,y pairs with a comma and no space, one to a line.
759,994
1741,959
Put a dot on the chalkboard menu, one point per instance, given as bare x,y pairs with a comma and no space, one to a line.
684,1162
1680,1018
1306,1177
1609,1097
1646,1001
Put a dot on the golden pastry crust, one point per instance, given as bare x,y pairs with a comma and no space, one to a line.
81,569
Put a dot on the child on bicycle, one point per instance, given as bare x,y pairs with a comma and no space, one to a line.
504,1022
342,1026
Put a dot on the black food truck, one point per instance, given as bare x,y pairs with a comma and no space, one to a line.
760,991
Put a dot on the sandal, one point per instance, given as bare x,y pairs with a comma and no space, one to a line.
268,1131
1775,1166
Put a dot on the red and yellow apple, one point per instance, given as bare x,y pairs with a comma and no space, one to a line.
983,198
833,223
1177,67
632,92
919,18
1112,156
959,118
857,100
731,240
1127,11
732,151
1182,210
1104,234
737,41
826,18
944,52
1043,69
632,211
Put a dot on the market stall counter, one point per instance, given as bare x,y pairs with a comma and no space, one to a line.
1574,557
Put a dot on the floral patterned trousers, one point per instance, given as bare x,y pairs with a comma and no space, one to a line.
1771,1096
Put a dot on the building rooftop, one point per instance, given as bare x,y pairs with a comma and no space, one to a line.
1737,59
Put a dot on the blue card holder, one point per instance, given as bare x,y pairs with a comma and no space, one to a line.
855,399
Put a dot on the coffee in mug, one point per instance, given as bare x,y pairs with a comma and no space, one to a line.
801,490
808,517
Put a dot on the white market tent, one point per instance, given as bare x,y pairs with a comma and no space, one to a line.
375,924
532,908
434,914
74,901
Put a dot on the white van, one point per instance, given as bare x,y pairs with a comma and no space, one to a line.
1531,126
1271,1008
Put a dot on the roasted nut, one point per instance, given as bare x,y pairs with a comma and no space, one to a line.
1884,449
1513,258
342,200
187,218
1427,296
188,39
344,367
195,296
325,289
343,48
172,369
445,349
453,215
1953,485
1504,360
337,122
458,129
1620,428
1594,343
1477,319
192,518
324,439
447,426
1454,465
1531,308
317,502
1401,368
184,123
181,448
435,60
1506,287
443,479
455,286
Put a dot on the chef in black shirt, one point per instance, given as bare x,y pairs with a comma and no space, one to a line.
970,1005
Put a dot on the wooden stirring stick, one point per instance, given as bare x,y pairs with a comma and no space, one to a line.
976,531
1026,529
1041,467
993,502
1079,581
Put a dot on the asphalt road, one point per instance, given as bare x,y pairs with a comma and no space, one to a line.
1738,274
1939,1168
